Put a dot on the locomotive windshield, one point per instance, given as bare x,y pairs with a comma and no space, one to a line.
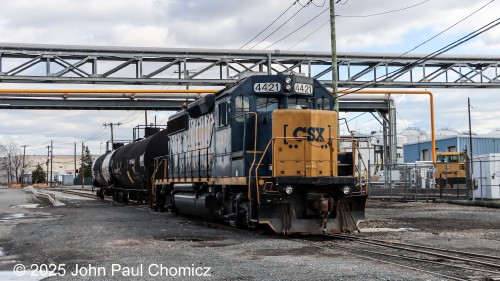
298,103
266,104
323,103
450,158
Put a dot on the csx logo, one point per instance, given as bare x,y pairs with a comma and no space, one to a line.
312,133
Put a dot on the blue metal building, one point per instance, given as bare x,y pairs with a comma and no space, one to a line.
481,144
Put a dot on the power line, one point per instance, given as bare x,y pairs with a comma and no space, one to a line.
446,48
450,27
283,24
378,14
302,26
303,39
319,6
297,1
474,12
96,134
384,13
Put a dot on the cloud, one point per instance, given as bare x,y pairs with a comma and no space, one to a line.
224,24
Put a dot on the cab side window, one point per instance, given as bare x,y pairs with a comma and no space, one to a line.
241,107
223,111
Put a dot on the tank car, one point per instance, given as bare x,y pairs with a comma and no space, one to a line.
125,173
262,153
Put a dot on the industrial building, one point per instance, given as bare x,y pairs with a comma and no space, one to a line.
421,149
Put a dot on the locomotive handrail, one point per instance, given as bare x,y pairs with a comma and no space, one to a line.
254,155
192,152
272,140
301,139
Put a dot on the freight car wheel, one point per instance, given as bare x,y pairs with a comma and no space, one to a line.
100,194
125,198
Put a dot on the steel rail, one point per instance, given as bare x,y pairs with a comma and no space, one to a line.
428,248
388,245
382,261
426,261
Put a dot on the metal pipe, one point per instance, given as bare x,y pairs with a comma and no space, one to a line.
105,93
403,92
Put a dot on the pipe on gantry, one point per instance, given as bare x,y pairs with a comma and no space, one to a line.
189,94
402,92
104,93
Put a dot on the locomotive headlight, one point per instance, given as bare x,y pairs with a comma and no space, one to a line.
288,80
288,87
288,189
346,189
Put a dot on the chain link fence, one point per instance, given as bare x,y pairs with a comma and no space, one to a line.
416,181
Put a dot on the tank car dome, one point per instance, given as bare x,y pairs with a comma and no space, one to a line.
467,133
495,132
412,131
414,134
447,132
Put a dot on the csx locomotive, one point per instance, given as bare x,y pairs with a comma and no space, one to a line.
261,153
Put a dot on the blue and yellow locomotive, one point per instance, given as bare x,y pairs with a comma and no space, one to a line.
261,153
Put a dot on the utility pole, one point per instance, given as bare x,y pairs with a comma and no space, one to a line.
334,57
24,167
48,155
111,126
74,158
81,168
471,155
51,161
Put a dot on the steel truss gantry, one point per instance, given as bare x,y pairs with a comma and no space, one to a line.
40,63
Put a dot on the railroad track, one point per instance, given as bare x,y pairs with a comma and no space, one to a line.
107,199
78,193
446,263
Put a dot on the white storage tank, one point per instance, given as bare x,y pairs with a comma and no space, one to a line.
487,176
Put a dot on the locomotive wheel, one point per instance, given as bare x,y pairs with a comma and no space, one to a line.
264,229
240,219
100,194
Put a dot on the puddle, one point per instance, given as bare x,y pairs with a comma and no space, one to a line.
27,206
10,217
11,276
175,238
172,239
385,229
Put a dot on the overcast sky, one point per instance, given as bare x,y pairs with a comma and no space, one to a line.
230,24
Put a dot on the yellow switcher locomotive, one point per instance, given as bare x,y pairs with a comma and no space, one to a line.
261,153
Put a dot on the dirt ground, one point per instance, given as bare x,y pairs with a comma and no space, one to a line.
89,234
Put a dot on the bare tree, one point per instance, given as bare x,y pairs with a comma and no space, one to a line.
12,160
